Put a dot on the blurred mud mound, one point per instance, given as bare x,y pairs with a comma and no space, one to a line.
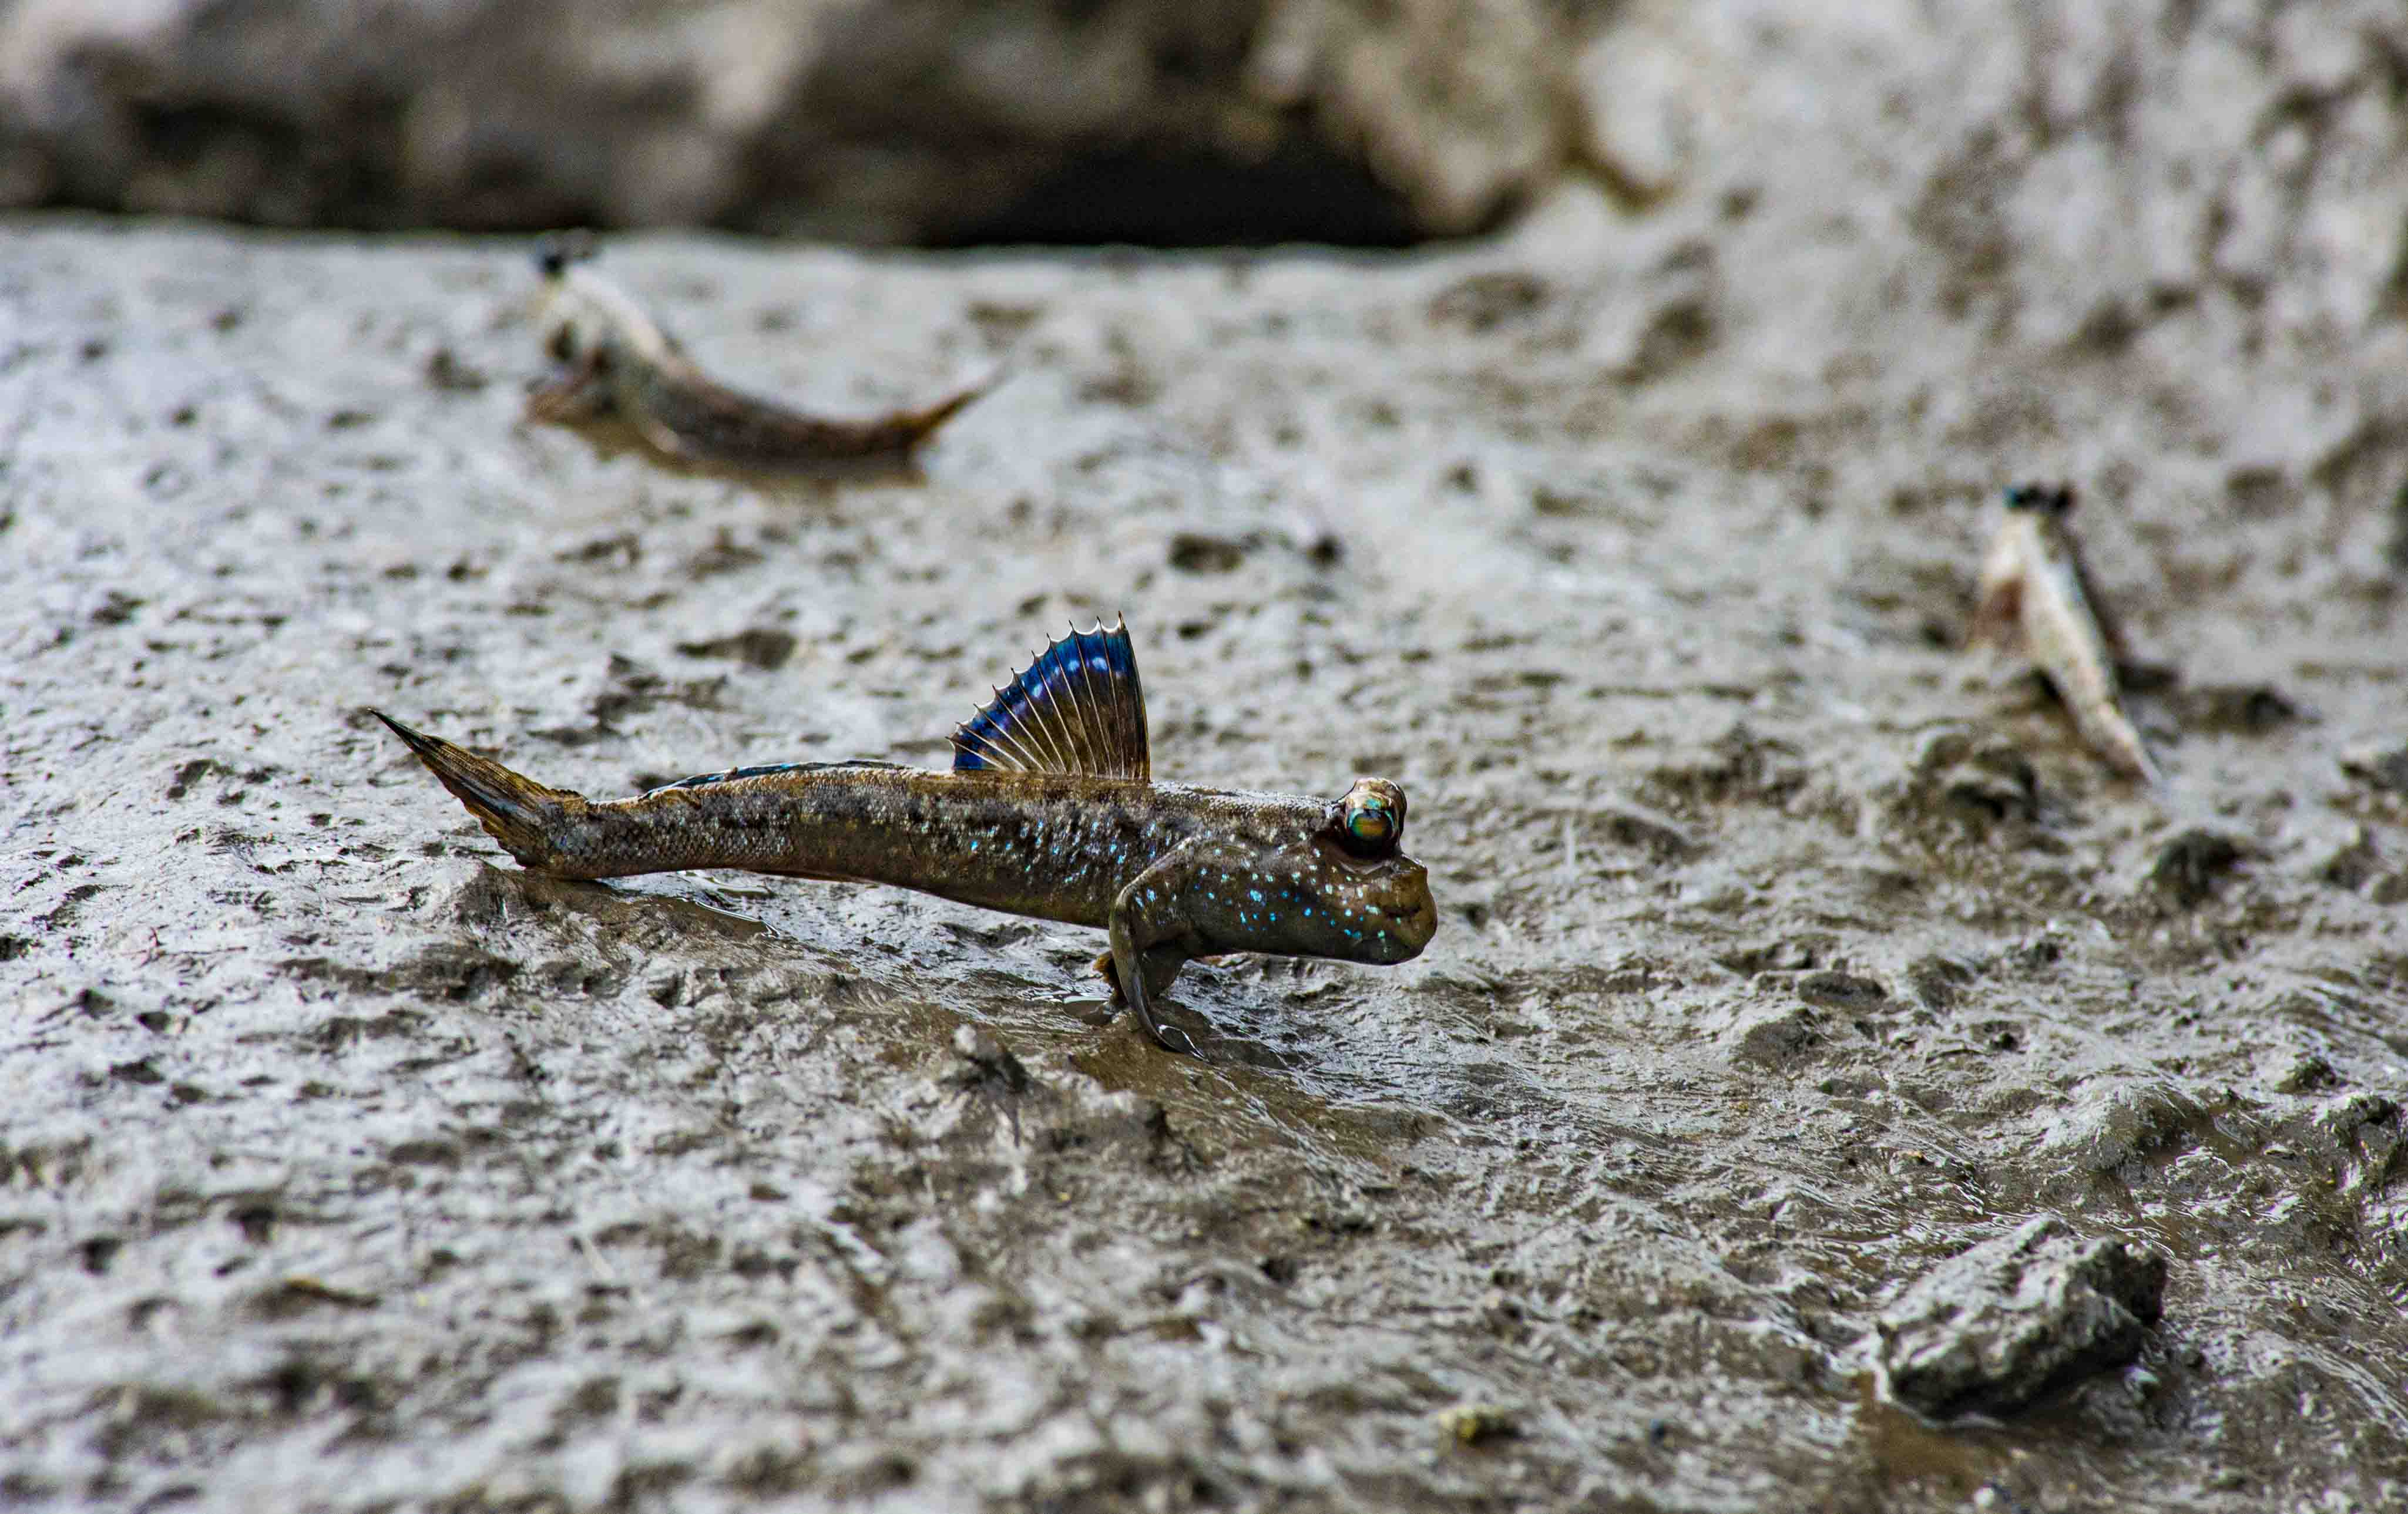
931,121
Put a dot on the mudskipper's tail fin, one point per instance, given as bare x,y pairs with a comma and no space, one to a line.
916,426
2112,732
519,812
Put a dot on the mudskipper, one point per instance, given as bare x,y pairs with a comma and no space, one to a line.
615,360
1050,810
2037,600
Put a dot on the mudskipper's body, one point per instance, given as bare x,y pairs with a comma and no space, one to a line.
1050,811
615,360
2036,599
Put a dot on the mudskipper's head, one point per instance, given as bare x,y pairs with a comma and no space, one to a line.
2047,502
1360,898
557,252
579,314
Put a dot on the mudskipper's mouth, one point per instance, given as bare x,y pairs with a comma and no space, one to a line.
1412,924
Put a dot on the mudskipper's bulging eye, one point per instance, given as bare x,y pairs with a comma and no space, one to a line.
1369,825
1371,817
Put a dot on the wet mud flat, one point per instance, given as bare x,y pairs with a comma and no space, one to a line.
1787,954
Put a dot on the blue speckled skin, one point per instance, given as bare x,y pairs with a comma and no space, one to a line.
1172,872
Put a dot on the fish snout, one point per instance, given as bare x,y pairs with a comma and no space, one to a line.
1408,917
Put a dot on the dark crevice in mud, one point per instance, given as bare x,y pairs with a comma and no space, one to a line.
1173,198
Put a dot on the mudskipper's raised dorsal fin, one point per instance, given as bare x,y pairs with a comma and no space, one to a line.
1077,709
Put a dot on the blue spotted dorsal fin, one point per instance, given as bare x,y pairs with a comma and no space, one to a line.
1077,709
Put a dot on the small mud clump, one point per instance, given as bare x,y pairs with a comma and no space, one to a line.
1995,1329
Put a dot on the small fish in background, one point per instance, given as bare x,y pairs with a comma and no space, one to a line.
1050,810
2037,601
615,360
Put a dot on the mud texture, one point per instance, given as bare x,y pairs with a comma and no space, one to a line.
1787,953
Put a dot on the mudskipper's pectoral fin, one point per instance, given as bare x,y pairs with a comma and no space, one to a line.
661,436
572,395
1998,620
1998,603
1078,709
1161,963
1152,941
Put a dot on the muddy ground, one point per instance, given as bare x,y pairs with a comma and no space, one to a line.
1785,950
